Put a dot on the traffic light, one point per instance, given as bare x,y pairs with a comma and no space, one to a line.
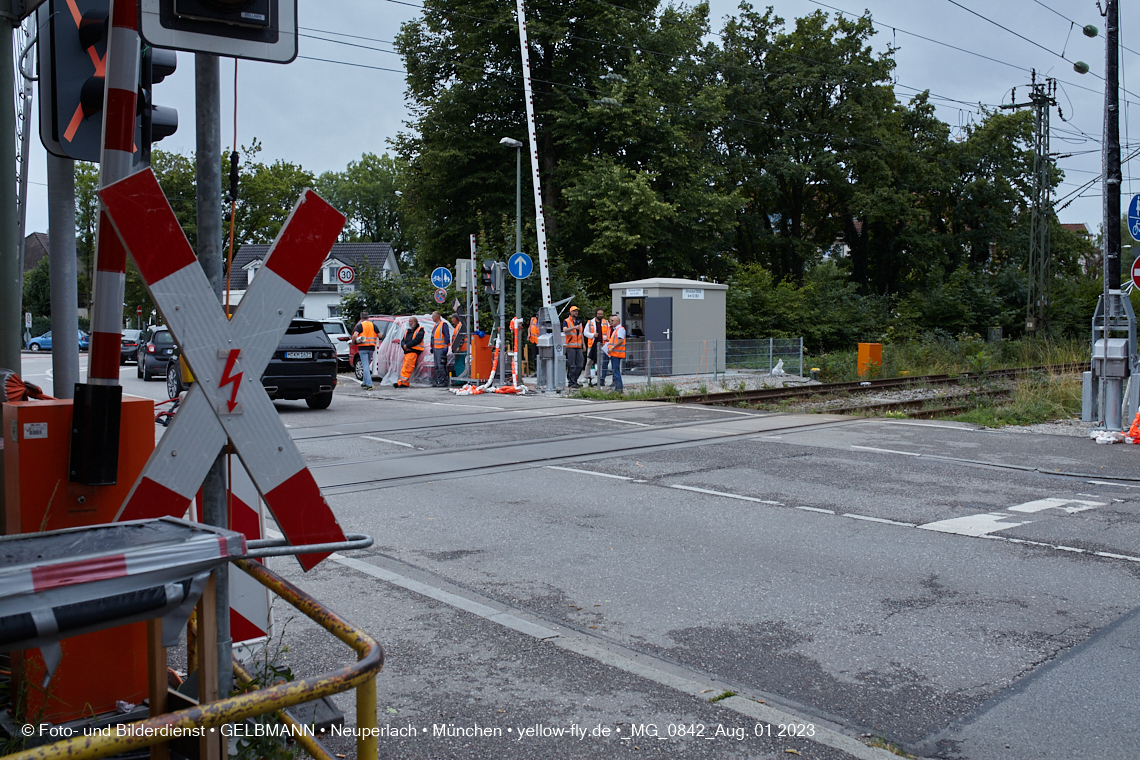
487,278
73,54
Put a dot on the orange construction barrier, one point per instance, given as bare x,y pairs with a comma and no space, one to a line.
1133,435
870,358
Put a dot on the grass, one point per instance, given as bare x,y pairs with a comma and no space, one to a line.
882,743
952,356
1035,399
639,393
722,695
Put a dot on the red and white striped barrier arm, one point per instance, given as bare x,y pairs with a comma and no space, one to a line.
116,161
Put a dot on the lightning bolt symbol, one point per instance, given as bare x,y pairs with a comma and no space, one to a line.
227,378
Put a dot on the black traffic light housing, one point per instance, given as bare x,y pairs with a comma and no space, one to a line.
72,55
487,278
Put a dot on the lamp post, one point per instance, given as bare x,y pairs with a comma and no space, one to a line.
508,142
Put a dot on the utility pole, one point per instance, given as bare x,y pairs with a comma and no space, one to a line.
10,274
1110,162
63,274
1042,99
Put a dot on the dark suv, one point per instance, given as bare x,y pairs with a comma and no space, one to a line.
155,348
302,367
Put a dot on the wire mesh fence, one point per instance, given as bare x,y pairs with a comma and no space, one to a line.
711,359
764,354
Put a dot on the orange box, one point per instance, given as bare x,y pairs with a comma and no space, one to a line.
870,358
482,355
97,668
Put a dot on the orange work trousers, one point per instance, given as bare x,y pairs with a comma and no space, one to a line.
408,367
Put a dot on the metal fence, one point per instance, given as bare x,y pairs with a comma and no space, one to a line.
764,354
711,358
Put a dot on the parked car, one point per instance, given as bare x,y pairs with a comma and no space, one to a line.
155,347
338,333
383,323
302,367
43,342
129,346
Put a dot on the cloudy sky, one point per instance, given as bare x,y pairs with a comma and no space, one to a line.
323,115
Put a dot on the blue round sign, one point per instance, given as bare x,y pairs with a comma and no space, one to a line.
1134,218
441,277
520,266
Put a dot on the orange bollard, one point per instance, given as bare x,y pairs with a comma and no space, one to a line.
870,355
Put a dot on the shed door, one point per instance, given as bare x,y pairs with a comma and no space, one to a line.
659,335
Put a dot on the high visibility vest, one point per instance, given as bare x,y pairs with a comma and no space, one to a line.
533,337
458,339
616,343
368,334
572,333
438,338
605,333
414,341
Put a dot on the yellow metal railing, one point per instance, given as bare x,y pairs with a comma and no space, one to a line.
156,730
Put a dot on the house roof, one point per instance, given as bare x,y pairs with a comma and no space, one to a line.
35,248
355,255
1080,229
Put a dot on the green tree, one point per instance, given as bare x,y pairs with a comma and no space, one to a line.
368,192
37,289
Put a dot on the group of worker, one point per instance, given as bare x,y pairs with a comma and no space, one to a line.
598,343
448,341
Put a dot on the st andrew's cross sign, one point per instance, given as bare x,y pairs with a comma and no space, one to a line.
227,358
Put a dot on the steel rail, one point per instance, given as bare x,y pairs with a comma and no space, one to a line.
159,729
863,386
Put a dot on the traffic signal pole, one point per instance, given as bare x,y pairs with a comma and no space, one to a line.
64,277
208,156
10,275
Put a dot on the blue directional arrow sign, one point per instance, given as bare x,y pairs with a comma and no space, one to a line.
1134,218
520,266
441,277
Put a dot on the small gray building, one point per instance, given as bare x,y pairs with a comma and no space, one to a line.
673,326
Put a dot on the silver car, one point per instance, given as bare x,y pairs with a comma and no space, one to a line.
338,333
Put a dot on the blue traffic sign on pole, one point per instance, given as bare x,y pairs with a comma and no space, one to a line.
441,277
1134,218
440,296
520,266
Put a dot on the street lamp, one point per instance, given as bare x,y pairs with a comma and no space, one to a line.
508,142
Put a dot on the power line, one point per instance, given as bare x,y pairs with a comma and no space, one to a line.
1077,23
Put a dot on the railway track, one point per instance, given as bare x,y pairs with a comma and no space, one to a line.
764,395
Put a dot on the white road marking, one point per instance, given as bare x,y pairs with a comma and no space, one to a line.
973,525
886,451
613,419
591,472
1103,483
1110,555
728,495
387,440
817,509
1032,507
878,520
465,406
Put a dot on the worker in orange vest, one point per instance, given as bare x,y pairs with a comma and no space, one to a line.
457,353
440,345
364,335
532,338
413,345
596,328
575,356
615,350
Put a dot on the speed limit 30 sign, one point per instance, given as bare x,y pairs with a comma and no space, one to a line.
346,275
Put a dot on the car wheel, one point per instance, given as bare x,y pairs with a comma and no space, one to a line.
358,368
34,348
139,369
320,401
173,381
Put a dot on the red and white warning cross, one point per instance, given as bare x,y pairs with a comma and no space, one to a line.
227,358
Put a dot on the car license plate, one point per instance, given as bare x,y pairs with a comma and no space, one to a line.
167,351
298,354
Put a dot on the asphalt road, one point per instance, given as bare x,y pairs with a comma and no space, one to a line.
958,593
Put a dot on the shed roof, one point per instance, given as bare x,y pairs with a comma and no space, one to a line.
668,282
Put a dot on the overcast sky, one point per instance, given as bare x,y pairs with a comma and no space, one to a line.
323,115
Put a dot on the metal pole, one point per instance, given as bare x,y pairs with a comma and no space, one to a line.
10,274
208,127
518,234
64,277
502,328
1110,166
